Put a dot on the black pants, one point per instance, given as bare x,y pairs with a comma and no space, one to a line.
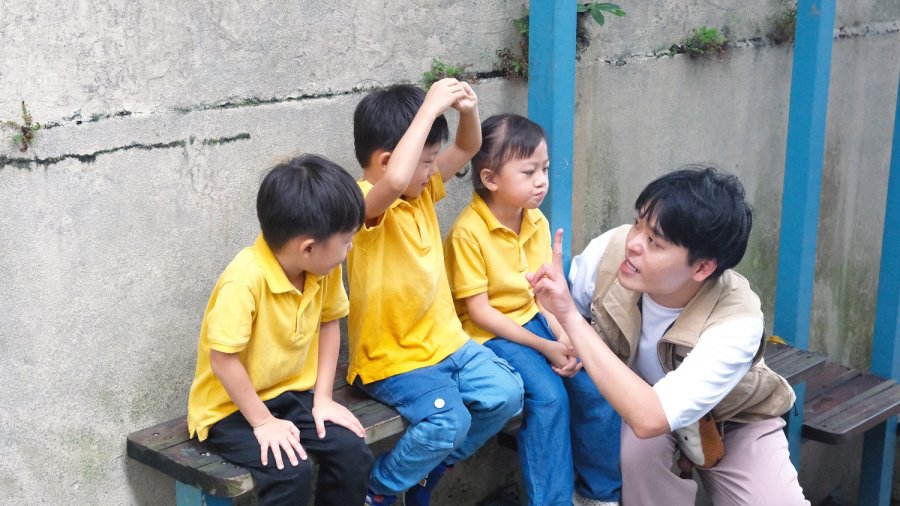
343,457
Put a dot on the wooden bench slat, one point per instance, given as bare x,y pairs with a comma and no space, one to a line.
188,461
793,364
167,447
164,435
852,409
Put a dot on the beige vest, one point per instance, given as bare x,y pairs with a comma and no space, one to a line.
616,316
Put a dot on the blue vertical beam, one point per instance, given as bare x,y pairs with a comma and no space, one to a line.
189,495
551,103
802,185
879,443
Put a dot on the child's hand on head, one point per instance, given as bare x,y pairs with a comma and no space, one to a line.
467,103
442,95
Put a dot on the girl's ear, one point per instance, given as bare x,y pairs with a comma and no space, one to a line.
488,179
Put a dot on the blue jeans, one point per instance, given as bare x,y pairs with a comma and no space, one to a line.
452,407
570,433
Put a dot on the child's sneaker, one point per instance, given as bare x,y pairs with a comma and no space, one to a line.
420,493
373,499
580,500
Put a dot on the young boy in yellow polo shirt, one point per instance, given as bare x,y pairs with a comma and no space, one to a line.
270,334
407,346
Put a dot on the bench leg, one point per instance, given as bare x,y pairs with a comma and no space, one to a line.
877,471
794,428
189,495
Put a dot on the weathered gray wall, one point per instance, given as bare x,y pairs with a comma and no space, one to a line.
164,115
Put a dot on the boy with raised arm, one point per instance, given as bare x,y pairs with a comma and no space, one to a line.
407,346
270,334
679,352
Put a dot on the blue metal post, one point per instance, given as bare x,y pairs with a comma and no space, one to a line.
880,442
188,495
802,185
551,103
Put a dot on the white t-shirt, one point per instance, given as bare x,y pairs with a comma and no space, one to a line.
722,356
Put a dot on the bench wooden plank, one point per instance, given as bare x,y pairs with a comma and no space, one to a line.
168,448
857,403
793,364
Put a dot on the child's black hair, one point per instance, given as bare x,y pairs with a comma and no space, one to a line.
504,137
308,195
383,116
704,210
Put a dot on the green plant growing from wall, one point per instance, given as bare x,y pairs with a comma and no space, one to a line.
784,25
701,41
25,131
514,64
439,70
596,10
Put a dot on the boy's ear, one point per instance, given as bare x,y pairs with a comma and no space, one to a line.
488,179
305,246
704,268
382,159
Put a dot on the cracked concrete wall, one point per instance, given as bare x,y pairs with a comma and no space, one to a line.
163,117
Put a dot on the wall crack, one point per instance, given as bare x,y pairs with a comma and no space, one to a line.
28,163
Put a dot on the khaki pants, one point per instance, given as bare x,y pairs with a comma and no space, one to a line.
756,470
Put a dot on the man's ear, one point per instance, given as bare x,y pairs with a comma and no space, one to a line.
488,179
704,268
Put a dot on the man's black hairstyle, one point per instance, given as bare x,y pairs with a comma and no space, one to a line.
703,209
308,195
504,137
383,116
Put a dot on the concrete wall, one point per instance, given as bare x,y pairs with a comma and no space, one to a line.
163,116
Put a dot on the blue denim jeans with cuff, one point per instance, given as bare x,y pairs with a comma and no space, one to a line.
452,407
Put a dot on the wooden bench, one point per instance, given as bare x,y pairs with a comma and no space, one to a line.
202,477
841,402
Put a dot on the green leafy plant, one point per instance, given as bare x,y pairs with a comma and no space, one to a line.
24,135
439,70
596,10
702,41
784,25
514,64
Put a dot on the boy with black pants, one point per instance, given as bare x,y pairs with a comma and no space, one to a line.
261,396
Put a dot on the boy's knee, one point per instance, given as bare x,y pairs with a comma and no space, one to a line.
352,449
507,395
444,430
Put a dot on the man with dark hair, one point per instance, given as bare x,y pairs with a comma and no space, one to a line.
680,345
270,333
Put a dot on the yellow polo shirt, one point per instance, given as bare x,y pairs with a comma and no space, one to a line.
483,255
401,311
256,312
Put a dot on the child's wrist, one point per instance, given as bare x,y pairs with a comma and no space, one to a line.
268,419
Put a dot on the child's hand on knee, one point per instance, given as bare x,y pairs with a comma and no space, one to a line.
330,411
278,435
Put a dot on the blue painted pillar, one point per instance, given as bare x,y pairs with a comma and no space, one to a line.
880,442
802,185
551,103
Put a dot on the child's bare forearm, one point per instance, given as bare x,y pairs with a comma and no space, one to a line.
465,145
329,348
233,376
